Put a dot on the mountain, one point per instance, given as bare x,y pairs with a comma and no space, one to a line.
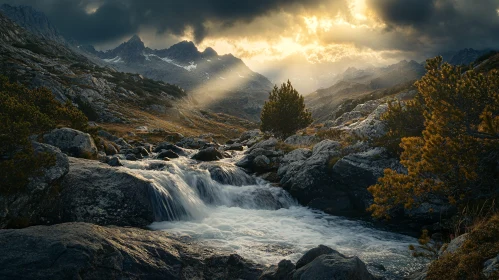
33,21
114,99
361,83
466,56
222,83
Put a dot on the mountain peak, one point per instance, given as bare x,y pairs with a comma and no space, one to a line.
209,52
185,45
135,39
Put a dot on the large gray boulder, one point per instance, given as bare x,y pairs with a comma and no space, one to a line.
310,176
302,140
491,267
262,157
86,251
312,254
247,135
165,146
208,154
326,263
52,173
26,207
282,271
98,193
268,144
372,127
453,246
354,173
72,142
192,143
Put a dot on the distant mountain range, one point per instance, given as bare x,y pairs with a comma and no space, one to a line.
466,56
223,83
220,83
357,83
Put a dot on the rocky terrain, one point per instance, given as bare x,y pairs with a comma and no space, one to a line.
359,85
79,213
333,175
102,93
33,21
222,83
99,210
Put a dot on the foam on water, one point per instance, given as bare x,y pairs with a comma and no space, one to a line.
218,205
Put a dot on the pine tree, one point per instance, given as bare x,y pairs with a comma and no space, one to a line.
284,113
457,154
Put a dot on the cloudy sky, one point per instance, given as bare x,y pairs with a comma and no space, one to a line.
311,35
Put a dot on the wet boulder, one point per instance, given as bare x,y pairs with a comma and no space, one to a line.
262,163
192,143
234,147
282,271
140,151
131,157
312,254
332,265
167,154
98,193
208,154
169,146
227,174
115,161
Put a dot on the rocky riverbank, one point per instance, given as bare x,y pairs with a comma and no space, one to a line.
88,218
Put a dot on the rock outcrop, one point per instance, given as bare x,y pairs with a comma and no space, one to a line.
302,140
98,193
208,154
72,142
320,263
86,251
26,207
310,175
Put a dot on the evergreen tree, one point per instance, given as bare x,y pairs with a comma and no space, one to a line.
284,113
457,154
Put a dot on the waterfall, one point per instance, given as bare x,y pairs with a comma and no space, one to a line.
218,205
183,189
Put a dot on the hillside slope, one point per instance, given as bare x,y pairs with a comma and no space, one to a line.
368,84
102,93
222,83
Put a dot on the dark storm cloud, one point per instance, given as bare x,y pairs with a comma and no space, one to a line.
117,18
404,12
440,25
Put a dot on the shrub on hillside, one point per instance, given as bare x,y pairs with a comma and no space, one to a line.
284,113
25,112
467,262
457,154
402,120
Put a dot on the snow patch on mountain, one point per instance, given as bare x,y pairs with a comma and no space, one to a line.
114,60
190,67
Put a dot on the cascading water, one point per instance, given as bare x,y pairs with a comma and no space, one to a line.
218,205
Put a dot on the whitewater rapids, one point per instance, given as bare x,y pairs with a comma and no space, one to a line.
218,205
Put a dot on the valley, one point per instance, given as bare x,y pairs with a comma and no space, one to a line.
136,162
